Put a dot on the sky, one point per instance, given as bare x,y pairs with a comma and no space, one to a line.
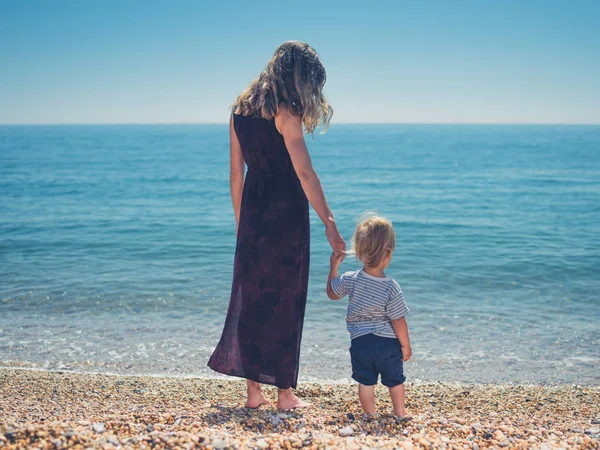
182,61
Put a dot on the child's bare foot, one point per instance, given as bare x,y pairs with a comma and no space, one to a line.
256,397
287,400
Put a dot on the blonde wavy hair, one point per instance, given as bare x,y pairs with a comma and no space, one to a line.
373,238
295,76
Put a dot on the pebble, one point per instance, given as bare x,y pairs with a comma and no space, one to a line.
10,434
261,443
113,440
274,420
498,435
206,414
218,444
348,431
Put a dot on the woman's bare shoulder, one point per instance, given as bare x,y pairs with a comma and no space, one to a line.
285,119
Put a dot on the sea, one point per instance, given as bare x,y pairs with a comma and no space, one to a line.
117,244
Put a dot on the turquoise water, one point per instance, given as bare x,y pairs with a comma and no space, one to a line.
116,247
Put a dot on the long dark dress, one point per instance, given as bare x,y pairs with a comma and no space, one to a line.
263,328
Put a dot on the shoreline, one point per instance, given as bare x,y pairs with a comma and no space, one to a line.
53,410
345,382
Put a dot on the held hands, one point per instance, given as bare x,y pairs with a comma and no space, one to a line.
336,260
406,353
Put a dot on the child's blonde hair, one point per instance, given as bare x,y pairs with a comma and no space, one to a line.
373,238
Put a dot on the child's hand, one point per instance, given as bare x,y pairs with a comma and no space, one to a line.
406,353
336,260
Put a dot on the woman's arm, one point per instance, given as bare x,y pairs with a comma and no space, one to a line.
236,172
290,127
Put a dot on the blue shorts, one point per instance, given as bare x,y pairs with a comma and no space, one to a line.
375,355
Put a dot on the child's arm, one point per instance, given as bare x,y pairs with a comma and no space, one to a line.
335,262
396,310
401,330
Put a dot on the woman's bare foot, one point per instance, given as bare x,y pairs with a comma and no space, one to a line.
287,400
255,402
256,397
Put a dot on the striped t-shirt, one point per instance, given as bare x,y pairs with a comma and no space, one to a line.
373,303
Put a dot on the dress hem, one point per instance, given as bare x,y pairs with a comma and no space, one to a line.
246,377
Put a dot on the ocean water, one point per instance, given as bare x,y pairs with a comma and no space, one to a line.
116,247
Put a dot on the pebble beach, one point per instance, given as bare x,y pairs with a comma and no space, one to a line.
57,410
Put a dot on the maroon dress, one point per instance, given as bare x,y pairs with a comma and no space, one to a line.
263,328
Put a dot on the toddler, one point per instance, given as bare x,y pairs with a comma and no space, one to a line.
375,317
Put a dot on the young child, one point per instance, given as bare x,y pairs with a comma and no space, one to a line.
375,317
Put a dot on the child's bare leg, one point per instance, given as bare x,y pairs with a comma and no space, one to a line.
255,395
398,399
366,394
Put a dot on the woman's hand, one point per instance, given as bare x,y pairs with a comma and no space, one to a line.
336,240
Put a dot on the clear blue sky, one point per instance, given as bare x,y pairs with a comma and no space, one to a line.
129,61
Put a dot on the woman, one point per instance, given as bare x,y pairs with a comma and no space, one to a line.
263,328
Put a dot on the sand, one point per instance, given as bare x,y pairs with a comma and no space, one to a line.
53,410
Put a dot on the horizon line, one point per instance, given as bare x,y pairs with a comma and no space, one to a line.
57,124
